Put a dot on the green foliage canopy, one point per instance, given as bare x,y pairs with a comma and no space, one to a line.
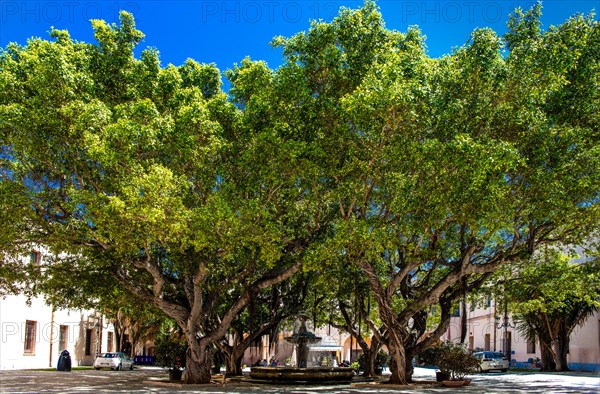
150,175
426,174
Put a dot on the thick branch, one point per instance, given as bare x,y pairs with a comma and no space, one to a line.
197,304
245,298
175,311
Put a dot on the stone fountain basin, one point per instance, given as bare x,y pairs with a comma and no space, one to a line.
312,374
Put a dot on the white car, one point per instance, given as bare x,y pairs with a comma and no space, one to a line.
489,361
115,360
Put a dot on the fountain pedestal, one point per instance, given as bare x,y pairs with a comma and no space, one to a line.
302,338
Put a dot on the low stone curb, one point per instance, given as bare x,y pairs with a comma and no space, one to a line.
216,380
414,385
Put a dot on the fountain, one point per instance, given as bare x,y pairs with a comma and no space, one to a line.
302,338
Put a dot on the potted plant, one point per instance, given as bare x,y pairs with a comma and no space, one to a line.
355,365
170,351
430,357
455,360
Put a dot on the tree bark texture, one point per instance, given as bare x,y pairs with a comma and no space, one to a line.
548,362
198,361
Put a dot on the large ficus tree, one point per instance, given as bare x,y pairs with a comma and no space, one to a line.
425,174
444,169
151,174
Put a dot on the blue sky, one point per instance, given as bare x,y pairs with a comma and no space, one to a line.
226,31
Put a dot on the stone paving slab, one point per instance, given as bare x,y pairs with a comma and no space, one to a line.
148,380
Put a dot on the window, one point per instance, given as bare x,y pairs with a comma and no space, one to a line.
110,342
35,258
88,342
63,338
30,333
486,343
531,345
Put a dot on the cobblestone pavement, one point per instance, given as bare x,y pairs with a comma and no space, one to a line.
153,380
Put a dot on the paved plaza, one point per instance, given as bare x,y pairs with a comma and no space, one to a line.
153,380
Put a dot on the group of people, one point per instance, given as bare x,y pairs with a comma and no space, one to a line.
275,363
272,363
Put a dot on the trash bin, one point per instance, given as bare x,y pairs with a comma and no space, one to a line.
64,361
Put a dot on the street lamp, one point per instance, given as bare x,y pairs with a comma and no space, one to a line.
506,324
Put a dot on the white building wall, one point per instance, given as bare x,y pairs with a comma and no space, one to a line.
15,312
584,349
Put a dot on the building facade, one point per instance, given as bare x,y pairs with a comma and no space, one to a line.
491,328
34,333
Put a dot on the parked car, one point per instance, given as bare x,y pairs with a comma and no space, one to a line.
115,360
489,361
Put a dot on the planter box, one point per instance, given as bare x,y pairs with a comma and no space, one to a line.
456,383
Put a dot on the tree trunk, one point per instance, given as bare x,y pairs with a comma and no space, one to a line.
463,316
118,336
233,364
122,342
556,353
119,340
409,369
397,358
238,366
134,341
198,361
562,351
369,357
369,351
548,363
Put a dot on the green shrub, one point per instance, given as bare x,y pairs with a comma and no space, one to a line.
455,360
382,359
170,351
